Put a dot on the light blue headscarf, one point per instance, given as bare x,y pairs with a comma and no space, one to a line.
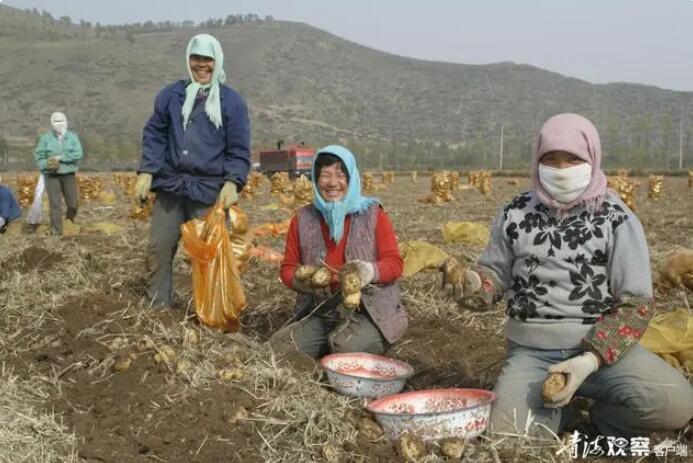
334,212
205,45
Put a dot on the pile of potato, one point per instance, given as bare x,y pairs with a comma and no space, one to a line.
654,191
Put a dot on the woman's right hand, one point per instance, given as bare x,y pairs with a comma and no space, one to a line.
459,282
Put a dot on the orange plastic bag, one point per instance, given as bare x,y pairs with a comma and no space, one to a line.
217,291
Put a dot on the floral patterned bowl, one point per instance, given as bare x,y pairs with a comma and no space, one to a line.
360,374
435,414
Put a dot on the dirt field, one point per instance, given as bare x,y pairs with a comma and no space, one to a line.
73,307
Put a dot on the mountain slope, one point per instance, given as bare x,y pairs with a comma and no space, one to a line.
304,83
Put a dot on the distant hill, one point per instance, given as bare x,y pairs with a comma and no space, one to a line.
304,84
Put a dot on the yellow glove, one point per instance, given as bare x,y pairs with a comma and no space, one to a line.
228,194
53,162
142,187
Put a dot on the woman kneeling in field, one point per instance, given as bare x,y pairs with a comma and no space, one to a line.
574,263
342,227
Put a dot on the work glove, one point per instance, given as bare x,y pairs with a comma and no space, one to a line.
305,287
228,195
366,271
53,162
577,369
142,187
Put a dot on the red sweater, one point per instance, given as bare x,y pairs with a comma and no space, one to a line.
388,267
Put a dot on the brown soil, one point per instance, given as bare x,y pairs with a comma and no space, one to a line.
147,413
37,258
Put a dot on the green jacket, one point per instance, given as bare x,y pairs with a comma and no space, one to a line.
70,152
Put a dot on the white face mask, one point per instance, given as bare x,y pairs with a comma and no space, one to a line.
565,185
59,123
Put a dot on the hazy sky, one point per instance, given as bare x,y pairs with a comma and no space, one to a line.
643,41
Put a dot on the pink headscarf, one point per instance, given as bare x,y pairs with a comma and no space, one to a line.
576,135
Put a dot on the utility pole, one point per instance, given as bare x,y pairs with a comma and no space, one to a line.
681,140
500,163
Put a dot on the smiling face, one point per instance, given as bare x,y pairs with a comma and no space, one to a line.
202,68
333,182
560,159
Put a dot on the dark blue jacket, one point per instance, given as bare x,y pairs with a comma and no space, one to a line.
9,209
194,163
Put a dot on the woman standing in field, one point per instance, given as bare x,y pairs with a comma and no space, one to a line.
340,227
57,155
574,263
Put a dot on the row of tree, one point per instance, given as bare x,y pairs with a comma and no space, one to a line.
379,154
148,26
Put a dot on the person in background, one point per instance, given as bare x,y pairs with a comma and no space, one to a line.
57,154
573,261
341,227
195,150
9,209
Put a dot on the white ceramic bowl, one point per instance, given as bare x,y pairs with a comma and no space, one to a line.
435,414
360,374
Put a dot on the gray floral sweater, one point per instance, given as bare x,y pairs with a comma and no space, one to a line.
583,280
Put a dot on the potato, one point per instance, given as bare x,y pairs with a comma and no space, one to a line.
321,278
230,374
553,384
165,354
453,272
677,270
332,453
370,430
240,415
123,361
305,272
452,447
145,343
351,283
117,343
410,447
352,301
455,276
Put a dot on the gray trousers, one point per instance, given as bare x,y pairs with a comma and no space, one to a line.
332,329
169,213
637,395
61,186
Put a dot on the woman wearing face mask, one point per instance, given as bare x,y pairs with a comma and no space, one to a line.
573,262
57,154
342,226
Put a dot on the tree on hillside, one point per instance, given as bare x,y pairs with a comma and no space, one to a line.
47,17
65,21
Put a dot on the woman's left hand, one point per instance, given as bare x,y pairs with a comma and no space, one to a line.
577,369
366,272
